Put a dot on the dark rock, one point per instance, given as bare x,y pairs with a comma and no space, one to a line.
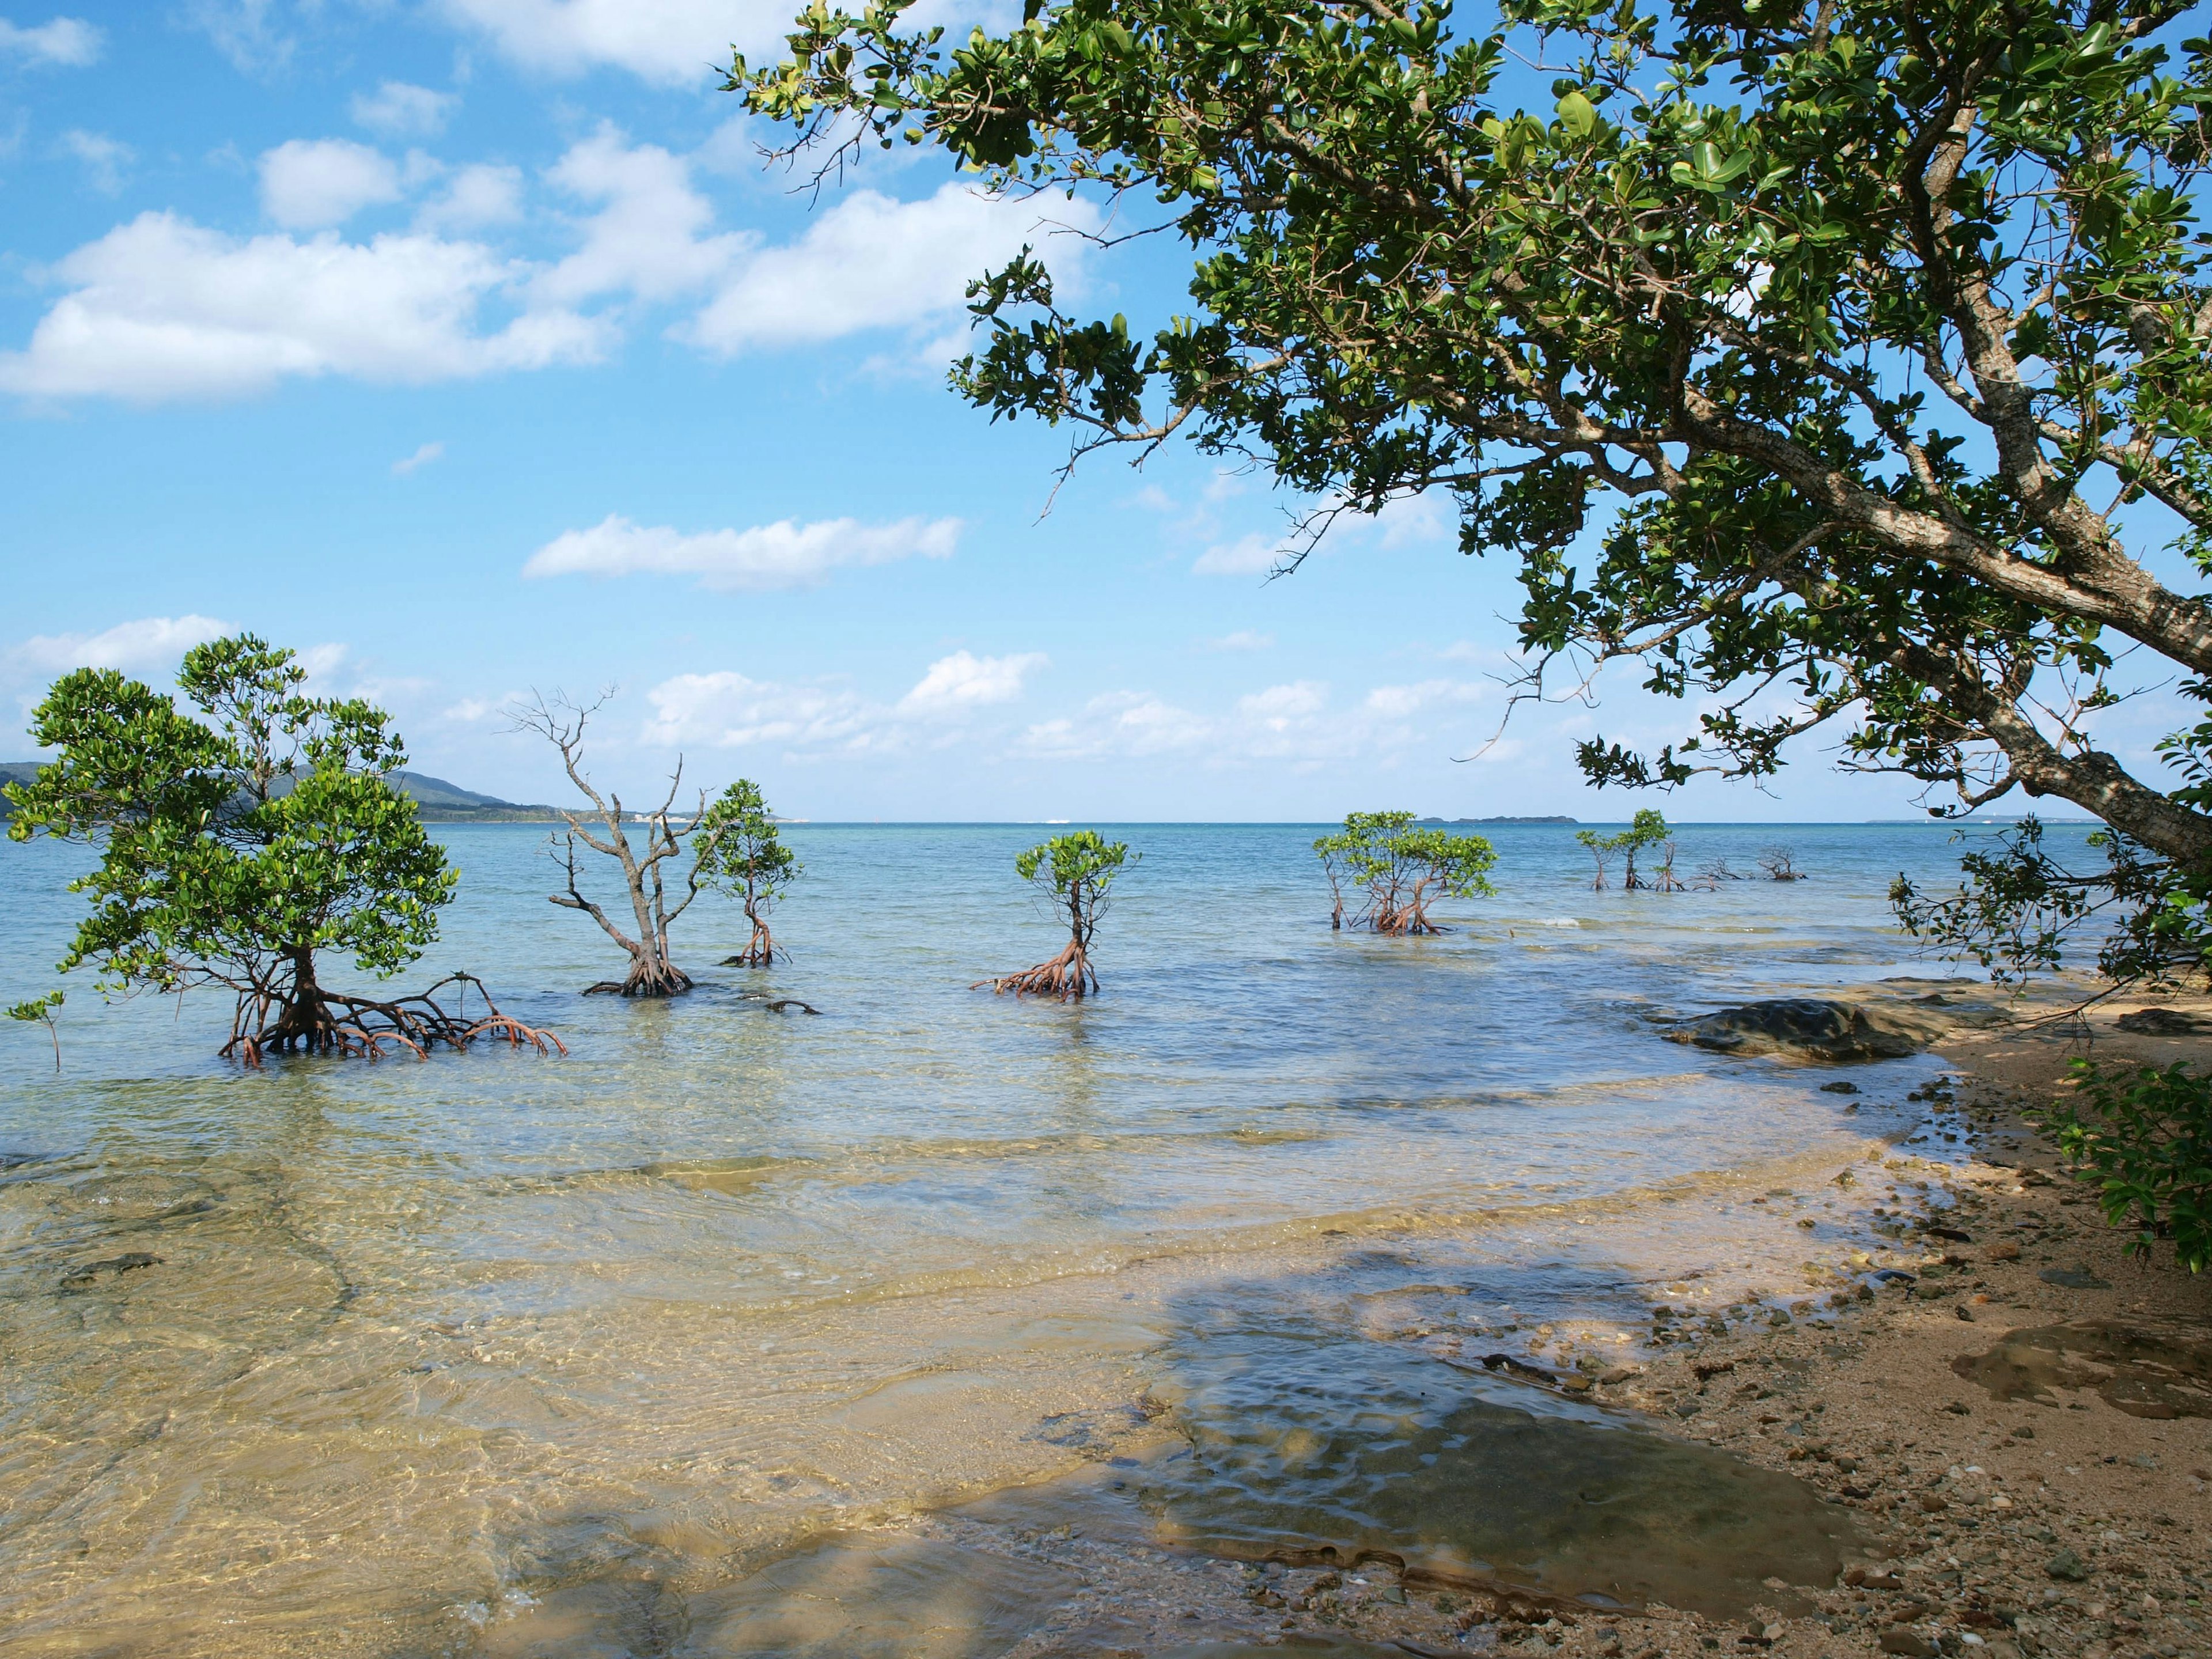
1839,1087
2073,1279
2159,1022
130,1261
2067,1565
1810,1027
1905,1642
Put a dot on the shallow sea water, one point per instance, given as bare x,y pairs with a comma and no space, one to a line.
436,1354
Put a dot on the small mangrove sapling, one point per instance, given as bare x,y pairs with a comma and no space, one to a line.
1075,873
1646,830
40,1011
652,972
1399,869
242,838
741,855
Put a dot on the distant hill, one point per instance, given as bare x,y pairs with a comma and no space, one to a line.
438,801
1501,820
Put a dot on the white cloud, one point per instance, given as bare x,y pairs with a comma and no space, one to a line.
160,308
479,197
422,458
963,681
398,110
1251,555
726,710
649,238
242,32
765,557
1243,639
1279,706
66,42
308,184
1127,723
1399,702
668,41
104,157
1296,722
871,262
145,646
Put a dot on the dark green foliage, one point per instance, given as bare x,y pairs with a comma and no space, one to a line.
1075,873
241,838
2018,907
1399,869
740,854
1646,831
2143,1139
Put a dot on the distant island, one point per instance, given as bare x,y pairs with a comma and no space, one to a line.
1556,819
436,800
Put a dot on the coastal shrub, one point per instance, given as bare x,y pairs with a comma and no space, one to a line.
1398,869
740,853
1075,873
1647,830
242,838
2143,1139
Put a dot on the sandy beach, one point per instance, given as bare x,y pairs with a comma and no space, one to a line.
2052,1522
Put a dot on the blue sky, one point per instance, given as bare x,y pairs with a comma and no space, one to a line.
466,346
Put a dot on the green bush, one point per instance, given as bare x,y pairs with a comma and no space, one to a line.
2144,1138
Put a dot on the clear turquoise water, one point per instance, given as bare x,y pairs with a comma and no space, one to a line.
722,1274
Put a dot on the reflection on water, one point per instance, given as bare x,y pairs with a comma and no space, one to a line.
423,1348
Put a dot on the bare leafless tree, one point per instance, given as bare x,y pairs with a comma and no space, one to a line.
652,972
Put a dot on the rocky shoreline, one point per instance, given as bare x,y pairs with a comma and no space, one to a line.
2061,1524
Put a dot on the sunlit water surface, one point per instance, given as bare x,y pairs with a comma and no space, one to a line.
426,1343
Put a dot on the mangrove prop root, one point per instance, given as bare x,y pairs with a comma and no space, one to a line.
1066,976
647,979
334,1022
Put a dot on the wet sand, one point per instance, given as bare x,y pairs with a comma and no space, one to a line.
2051,1522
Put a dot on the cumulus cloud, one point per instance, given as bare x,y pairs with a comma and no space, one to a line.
399,110
160,308
872,262
477,198
1249,555
308,184
648,237
1299,721
65,42
422,458
148,645
963,681
668,41
104,157
1243,638
727,710
765,557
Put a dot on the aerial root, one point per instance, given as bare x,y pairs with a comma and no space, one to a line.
1066,976
363,1028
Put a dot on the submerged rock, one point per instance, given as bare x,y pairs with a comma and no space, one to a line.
1812,1027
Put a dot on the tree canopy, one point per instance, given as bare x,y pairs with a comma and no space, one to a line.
1400,868
1075,874
1838,362
241,838
741,854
